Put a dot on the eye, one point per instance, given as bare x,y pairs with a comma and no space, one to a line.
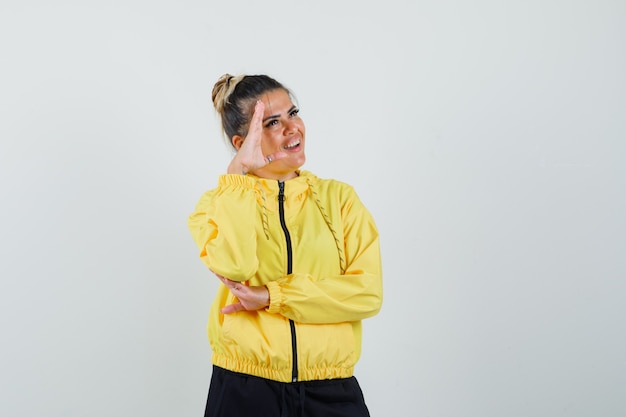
271,123
294,112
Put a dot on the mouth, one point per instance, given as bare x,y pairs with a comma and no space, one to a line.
292,145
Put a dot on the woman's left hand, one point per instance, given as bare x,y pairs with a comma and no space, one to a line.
250,297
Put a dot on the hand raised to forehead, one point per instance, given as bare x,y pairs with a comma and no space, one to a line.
250,155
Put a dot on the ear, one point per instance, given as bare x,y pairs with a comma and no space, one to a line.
237,141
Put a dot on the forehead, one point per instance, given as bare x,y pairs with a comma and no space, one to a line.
276,101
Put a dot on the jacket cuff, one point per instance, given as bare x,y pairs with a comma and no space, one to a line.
276,297
238,180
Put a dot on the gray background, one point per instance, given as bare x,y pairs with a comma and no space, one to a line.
486,137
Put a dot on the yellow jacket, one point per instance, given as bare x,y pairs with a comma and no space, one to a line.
318,253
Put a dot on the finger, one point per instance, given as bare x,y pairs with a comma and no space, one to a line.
231,285
257,117
259,108
232,308
275,156
234,286
226,281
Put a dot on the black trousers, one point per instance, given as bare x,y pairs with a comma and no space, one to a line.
233,394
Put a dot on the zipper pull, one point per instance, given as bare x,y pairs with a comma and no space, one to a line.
281,191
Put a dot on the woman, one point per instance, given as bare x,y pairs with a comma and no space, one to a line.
299,260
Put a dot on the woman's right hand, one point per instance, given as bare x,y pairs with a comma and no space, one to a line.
250,155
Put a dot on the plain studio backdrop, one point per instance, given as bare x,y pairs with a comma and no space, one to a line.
487,138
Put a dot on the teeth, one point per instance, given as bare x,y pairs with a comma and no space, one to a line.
292,145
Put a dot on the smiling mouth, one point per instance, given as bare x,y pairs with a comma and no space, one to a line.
292,145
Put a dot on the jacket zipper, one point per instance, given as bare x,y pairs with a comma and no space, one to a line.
292,325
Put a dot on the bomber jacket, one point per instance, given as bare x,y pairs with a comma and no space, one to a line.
315,246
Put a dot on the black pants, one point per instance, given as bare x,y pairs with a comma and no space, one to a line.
233,394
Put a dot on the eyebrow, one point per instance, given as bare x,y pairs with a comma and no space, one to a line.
276,116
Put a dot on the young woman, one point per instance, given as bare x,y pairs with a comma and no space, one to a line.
299,261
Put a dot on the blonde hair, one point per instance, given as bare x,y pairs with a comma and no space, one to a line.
222,89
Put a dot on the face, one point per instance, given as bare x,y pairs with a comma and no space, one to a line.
283,131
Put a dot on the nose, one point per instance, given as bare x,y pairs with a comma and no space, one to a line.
290,127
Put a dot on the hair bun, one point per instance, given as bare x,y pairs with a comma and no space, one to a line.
222,89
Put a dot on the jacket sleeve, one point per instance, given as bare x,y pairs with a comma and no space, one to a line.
222,226
352,296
